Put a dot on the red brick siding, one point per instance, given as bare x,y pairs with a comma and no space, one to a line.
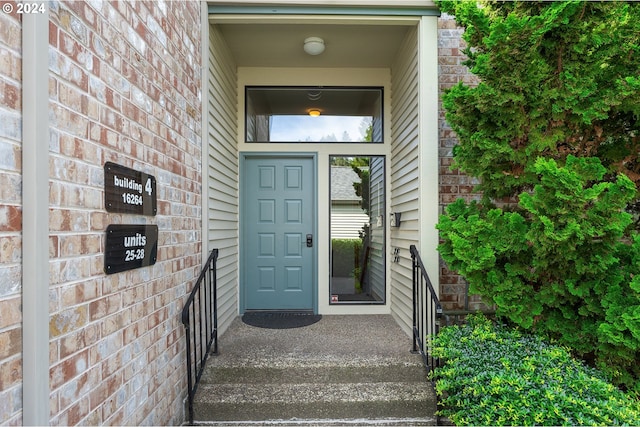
124,87
10,218
453,184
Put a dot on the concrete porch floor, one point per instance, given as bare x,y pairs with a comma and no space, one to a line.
342,370
352,339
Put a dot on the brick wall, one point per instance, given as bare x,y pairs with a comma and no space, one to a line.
453,183
124,87
10,220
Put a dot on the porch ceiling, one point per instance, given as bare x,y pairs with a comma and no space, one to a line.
348,45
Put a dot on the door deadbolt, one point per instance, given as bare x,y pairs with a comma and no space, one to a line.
309,240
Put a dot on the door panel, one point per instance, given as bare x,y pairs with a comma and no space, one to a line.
278,197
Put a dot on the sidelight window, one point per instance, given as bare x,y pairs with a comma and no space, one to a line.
357,230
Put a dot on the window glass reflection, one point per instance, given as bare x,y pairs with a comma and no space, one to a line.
357,230
314,114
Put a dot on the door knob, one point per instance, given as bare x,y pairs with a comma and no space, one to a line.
309,240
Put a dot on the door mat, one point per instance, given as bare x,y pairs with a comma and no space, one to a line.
279,319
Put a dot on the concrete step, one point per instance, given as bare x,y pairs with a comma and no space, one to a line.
341,371
247,402
362,422
327,374
263,394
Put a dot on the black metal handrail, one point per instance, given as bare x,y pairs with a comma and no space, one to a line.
200,320
427,310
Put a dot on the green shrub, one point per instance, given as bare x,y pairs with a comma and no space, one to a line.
553,125
345,253
494,375
556,78
559,262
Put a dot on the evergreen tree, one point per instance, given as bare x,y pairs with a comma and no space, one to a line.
554,125
557,79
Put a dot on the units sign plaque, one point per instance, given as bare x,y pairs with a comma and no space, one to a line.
129,191
130,246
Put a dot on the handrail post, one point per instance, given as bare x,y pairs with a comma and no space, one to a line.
415,297
214,268
189,379
205,300
427,309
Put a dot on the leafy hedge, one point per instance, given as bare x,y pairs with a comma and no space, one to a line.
345,252
495,375
559,263
553,126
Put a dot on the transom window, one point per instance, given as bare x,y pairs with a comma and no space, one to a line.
314,114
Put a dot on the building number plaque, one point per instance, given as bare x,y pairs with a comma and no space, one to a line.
129,191
130,246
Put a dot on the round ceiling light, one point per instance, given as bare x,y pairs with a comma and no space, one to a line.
314,112
313,45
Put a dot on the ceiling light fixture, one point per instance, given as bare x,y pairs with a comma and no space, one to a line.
314,95
314,112
313,45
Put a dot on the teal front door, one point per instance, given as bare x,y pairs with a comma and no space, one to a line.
278,226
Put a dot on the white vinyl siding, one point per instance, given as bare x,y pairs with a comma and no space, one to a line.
257,126
347,221
222,168
377,274
405,176
378,123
